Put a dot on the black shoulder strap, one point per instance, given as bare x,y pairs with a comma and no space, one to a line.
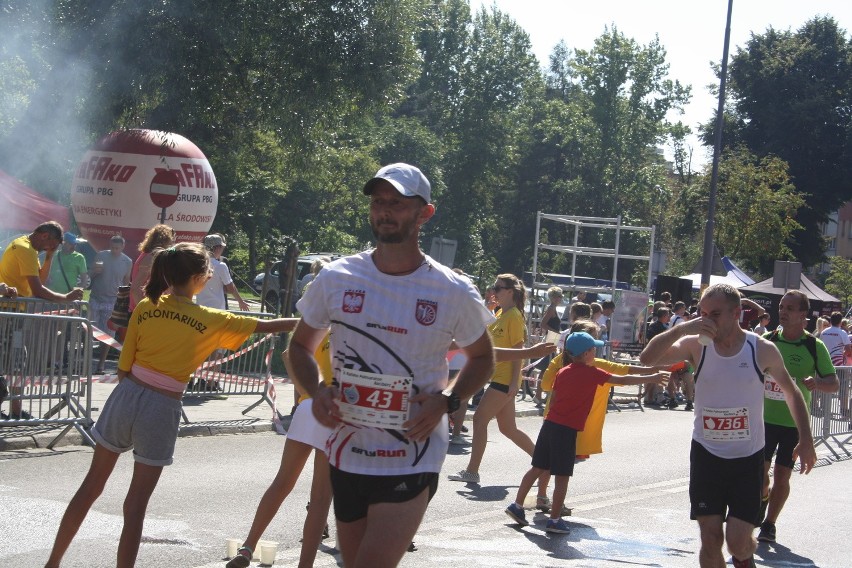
809,342
62,269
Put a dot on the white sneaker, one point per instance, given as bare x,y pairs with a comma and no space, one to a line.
464,475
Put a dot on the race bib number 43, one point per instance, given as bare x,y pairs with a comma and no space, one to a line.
726,424
371,399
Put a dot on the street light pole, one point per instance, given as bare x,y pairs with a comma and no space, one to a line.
707,265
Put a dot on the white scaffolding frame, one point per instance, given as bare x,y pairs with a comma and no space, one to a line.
575,249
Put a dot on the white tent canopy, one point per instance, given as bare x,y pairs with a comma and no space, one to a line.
734,276
714,279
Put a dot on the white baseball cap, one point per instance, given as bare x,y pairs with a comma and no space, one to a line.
408,181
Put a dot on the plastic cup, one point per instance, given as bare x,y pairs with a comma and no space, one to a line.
705,340
233,544
268,552
261,544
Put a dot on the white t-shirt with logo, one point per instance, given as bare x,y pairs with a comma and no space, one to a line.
835,340
391,333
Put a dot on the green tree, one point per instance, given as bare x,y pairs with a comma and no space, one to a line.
791,94
755,213
839,281
593,144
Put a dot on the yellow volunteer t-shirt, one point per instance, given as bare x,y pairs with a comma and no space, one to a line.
323,357
176,336
590,440
508,331
19,261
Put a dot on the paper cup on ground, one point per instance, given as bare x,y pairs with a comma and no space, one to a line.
233,544
260,543
268,552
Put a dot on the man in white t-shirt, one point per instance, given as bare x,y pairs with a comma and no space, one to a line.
220,282
837,341
393,314
678,314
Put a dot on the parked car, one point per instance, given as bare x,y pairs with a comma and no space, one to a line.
273,290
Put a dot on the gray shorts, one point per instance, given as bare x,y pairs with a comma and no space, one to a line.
99,313
141,419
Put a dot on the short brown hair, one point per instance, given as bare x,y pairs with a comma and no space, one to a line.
804,303
731,294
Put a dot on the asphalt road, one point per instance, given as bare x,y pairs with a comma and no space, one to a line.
630,506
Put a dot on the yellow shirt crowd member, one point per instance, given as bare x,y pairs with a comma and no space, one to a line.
508,331
175,336
18,262
590,440
323,357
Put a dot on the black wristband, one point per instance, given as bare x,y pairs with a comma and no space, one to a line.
453,401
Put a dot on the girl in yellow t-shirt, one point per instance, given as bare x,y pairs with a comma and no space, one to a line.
499,399
169,336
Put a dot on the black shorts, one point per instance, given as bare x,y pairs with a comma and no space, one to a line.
784,440
555,449
355,492
499,387
726,487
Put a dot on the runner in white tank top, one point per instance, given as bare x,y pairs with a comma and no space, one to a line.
725,392
729,401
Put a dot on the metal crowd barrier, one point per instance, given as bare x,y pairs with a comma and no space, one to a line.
45,365
831,421
245,371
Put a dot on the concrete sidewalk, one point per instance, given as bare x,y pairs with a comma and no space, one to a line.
208,416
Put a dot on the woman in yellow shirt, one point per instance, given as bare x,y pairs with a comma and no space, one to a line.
168,338
499,399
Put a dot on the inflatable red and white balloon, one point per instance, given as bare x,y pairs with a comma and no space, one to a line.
114,190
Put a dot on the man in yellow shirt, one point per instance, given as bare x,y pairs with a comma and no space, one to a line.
19,266
20,269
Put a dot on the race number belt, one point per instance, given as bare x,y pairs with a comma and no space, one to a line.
371,399
726,424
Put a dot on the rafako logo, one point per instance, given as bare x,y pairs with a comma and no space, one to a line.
353,301
426,312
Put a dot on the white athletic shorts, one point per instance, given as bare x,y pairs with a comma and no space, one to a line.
305,428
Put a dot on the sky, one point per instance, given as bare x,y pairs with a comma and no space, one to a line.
692,32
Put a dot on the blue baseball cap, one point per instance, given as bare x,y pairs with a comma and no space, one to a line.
579,342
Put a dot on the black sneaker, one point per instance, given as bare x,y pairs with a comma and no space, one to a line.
672,404
689,406
767,532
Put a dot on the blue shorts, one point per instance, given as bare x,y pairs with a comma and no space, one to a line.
138,418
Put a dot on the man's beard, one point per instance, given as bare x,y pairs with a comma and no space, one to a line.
392,238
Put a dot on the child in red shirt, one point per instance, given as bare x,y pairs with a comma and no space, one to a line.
555,448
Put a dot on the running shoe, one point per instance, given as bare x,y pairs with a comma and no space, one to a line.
767,532
689,406
517,514
557,526
672,404
458,440
543,504
242,559
464,475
